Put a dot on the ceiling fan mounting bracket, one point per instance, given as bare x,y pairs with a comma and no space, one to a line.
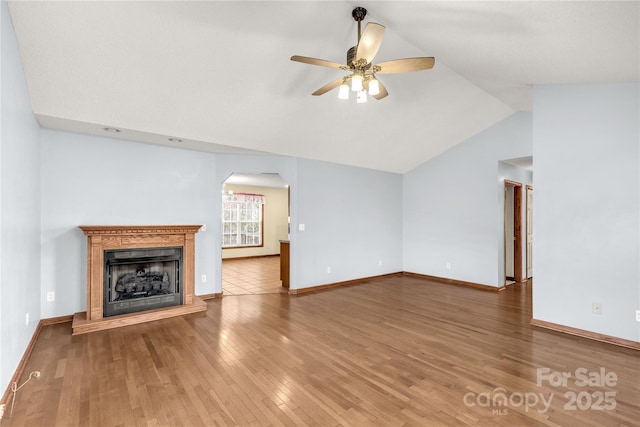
359,13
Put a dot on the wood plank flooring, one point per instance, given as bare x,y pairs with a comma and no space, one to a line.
396,351
244,276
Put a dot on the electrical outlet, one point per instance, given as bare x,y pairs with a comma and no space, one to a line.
300,227
329,269
637,315
448,266
596,308
203,279
380,263
51,296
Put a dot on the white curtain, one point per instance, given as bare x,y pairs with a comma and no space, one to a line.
244,198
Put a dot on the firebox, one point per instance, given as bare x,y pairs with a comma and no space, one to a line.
141,279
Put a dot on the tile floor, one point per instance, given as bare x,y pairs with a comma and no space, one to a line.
242,276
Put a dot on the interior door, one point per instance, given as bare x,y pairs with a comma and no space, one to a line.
513,237
529,231
509,236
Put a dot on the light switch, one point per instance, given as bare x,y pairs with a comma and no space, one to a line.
300,227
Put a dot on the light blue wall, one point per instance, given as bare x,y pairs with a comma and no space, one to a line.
19,208
586,214
90,180
135,183
353,220
452,205
352,217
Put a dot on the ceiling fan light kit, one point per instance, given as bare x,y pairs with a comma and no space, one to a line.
374,87
362,79
356,82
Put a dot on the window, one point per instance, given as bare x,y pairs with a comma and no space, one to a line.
242,220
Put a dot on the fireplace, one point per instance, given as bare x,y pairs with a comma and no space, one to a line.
141,279
138,274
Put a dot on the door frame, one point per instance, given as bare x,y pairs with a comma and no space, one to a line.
517,230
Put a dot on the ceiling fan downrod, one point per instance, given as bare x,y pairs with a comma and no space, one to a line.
358,15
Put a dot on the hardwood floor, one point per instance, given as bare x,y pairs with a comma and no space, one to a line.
397,351
244,276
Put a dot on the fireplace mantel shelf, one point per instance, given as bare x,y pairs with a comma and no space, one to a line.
113,237
93,230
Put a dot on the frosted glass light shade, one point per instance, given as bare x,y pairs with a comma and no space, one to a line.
356,83
344,91
374,87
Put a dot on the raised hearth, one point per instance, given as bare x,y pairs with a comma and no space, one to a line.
162,263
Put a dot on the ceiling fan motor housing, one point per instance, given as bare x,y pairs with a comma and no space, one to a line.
351,55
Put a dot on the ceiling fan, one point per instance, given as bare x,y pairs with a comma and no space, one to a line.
362,79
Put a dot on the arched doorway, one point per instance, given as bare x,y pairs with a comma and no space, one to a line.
255,219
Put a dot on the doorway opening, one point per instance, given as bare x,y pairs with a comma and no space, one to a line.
512,232
255,220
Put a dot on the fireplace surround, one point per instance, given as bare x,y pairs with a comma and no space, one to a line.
138,274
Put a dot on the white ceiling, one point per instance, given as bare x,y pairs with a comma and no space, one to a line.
525,163
217,74
270,180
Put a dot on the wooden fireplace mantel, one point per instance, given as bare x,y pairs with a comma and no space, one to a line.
110,237
137,230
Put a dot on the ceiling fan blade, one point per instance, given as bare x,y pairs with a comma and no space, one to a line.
315,61
370,41
383,91
326,88
406,65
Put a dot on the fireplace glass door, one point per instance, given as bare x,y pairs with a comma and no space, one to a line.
141,279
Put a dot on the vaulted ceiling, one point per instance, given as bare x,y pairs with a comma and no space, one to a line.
217,76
